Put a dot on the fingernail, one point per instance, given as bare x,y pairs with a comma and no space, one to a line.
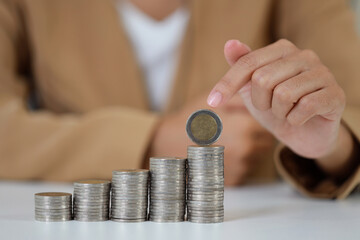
214,99
229,43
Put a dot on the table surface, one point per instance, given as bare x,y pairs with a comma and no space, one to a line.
272,211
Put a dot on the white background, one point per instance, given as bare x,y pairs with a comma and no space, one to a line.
253,212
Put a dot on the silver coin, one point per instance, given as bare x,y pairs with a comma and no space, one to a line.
52,195
91,200
131,172
90,219
51,219
53,206
205,184
206,220
167,189
161,220
128,220
92,182
129,198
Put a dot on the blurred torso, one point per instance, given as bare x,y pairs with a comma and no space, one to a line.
82,59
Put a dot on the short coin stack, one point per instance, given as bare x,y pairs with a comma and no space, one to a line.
129,199
205,186
53,206
91,200
167,189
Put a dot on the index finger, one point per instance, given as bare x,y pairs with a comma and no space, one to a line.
240,73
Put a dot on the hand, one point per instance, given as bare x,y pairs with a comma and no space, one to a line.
242,141
291,93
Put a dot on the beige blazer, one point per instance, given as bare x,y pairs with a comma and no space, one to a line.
94,115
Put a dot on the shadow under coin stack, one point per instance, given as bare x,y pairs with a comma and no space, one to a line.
91,200
167,189
205,183
129,199
53,206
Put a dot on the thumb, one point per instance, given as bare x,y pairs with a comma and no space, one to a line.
234,49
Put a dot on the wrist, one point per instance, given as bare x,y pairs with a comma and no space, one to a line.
339,162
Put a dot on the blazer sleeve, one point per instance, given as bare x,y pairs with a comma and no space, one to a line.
44,145
328,28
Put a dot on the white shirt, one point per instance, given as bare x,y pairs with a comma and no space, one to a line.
156,45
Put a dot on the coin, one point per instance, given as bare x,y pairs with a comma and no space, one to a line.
204,127
52,195
53,206
167,189
129,198
205,184
91,200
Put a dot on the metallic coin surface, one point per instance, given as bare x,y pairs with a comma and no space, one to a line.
205,184
91,200
93,181
53,206
167,189
204,127
129,198
53,194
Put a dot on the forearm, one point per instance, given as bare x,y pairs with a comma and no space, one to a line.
42,145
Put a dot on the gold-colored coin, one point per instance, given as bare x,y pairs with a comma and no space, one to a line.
204,127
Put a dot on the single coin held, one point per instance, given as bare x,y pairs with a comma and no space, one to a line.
204,127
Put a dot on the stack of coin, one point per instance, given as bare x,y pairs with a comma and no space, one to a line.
129,199
53,206
205,186
91,200
167,189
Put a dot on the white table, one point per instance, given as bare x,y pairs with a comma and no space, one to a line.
254,212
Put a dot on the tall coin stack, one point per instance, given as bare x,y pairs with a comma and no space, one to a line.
53,206
205,183
205,186
129,199
167,189
91,200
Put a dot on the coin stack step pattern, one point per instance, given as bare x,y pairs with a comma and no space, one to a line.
167,189
53,206
129,199
91,200
195,184
205,185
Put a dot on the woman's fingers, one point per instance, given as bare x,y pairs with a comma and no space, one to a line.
240,73
292,83
235,104
265,79
233,50
325,102
288,93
